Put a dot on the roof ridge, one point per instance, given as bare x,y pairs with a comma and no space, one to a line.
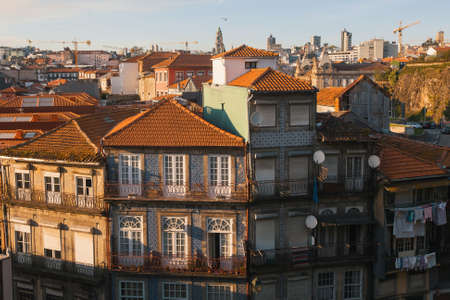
204,121
263,74
85,135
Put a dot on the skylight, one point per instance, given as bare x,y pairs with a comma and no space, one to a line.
29,135
46,101
7,135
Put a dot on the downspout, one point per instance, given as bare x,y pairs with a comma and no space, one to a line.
249,179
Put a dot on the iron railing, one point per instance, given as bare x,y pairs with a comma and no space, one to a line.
54,199
153,263
159,190
28,260
288,188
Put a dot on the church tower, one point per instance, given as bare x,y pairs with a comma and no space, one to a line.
220,47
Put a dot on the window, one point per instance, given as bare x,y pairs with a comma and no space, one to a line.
201,73
265,234
352,285
404,244
175,291
219,292
165,76
130,236
179,76
219,170
219,238
84,191
299,115
174,236
174,174
354,167
267,115
190,73
130,171
298,174
331,163
52,189
52,243
23,242
265,175
325,286
23,185
131,290
250,64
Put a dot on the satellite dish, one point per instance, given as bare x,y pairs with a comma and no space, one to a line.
311,222
374,161
319,157
256,118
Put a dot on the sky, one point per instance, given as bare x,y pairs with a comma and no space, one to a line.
126,23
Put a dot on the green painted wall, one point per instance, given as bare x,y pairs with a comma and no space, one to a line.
226,107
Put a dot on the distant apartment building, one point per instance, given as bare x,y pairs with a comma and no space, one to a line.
346,40
350,56
316,41
63,73
440,38
96,58
377,49
272,43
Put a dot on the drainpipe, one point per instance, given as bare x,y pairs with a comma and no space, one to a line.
249,179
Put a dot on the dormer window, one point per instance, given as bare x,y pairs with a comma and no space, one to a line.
250,65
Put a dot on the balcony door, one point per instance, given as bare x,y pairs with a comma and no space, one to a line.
23,185
84,191
265,176
131,248
219,243
298,175
130,175
219,176
174,176
354,174
174,241
52,188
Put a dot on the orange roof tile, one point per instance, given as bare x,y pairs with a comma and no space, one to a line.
62,99
185,60
57,82
197,80
268,80
13,90
76,140
246,51
169,124
327,96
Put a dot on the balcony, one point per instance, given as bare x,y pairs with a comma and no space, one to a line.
159,191
335,184
296,257
154,263
53,199
282,189
57,266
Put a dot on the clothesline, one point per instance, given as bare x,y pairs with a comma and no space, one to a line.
418,207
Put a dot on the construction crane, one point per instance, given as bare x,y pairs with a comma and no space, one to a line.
399,30
185,43
74,42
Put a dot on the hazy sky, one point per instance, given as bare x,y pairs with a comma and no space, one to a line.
143,22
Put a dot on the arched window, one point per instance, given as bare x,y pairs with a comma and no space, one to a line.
174,236
130,239
218,225
219,237
327,212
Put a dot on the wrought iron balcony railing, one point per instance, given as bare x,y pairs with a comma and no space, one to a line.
232,265
159,190
53,199
272,188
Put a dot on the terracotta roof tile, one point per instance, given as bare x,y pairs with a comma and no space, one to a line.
327,96
13,90
57,82
186,60
246,51
197,80
154,58
63,99
76,140
268,80
169,124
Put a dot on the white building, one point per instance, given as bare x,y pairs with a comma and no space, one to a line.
235,62
127,83
377,49
350,56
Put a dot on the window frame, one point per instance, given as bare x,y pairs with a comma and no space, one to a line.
174,170
129,236
248,65
165,297
275,112
326,286
217,285
352,157
128,297
25,242
130,169
352,285
171,236
220,170
291,105
22,174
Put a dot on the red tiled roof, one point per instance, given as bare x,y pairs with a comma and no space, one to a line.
169,124
13,90
327,96
154,58
197,80
135,58
76,140
268,80
57,82
63,99
186,60
246,51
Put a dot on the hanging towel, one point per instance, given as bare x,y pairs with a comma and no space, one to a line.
410,216
431,259
441,215
418,215
428,213
405,262
398,263
412,262
402,228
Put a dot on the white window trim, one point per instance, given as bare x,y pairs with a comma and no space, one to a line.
175,282
76,176
172,157
360,284
174,236
219,174
141,229
220,284
290,115
133,281
130,169
346,166
328,286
